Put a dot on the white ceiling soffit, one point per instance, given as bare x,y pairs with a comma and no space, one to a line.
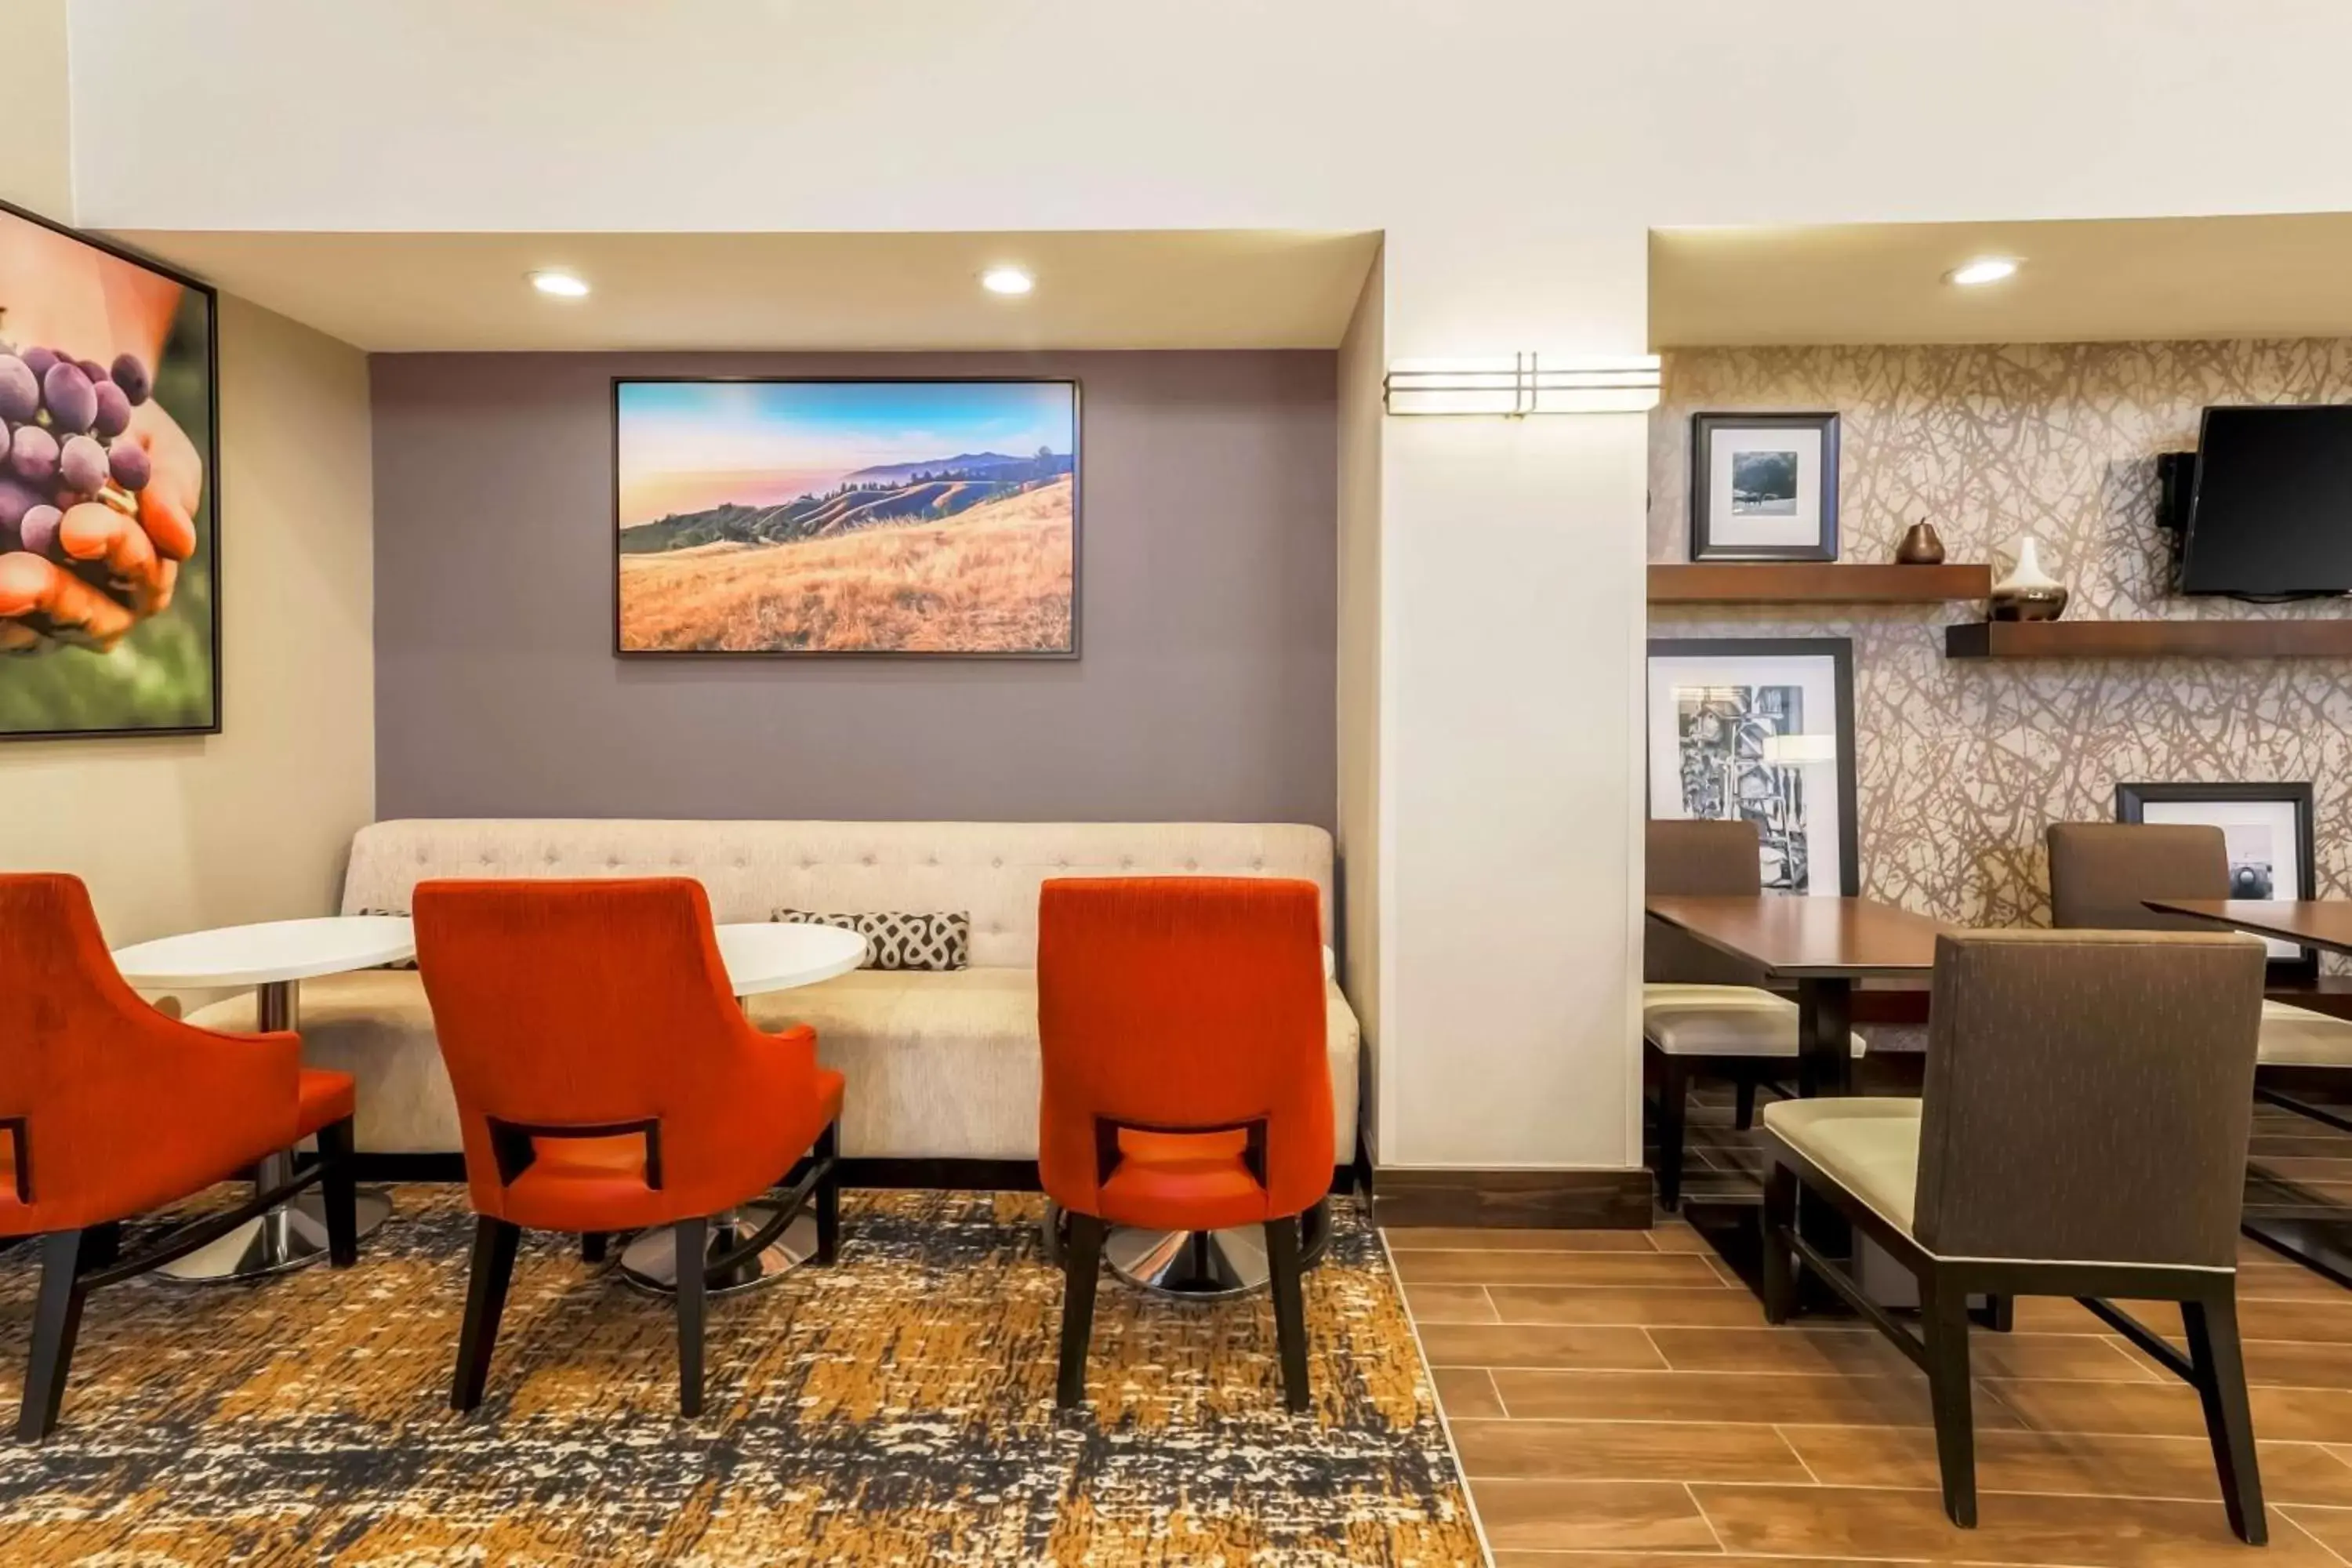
2088,281
1162,290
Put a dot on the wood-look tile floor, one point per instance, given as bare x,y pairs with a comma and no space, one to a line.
1617,1398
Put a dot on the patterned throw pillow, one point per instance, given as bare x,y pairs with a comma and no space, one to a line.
899,940
397,962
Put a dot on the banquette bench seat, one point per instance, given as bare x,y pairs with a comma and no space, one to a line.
941,1065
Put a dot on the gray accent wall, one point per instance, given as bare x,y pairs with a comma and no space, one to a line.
1208,615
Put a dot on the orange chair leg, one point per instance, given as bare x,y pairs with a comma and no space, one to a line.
485,1299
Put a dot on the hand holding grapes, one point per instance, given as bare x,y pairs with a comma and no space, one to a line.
99,489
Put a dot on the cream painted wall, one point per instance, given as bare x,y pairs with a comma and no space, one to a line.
253,823
36,155
1363,363
1515,154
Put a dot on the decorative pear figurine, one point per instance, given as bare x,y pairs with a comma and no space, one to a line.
1921,546
2028,592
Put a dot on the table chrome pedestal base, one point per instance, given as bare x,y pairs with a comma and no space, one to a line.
1194,1265
650,1262
290,1237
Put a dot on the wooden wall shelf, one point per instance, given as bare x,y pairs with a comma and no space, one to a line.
1813,582
2149,640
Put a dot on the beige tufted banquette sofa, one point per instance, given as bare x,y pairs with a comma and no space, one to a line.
940,1066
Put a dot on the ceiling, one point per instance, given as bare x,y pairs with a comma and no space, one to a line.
1164,289
2080,280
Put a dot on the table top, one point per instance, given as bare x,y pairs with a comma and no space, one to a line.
272,952
772,956
1795,937
2308,922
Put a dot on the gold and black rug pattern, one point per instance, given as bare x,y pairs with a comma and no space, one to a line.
893,1409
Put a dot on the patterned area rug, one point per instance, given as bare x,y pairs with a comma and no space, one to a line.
896,1409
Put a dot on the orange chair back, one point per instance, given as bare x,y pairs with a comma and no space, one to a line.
1181,1003
107,1107
603,1003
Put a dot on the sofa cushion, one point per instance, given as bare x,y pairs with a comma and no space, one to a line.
940,1066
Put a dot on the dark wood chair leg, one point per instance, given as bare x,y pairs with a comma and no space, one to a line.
101,1245
1673,1093
828,1197
486,1298
1743,1105
2000,1314
1944,1326
693,1244
57,1324
338,1193
2212,1329
1290,1308
594,1246
1081,1269
1780,1261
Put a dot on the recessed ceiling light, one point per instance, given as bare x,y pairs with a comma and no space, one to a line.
562,285
1983,269
1007,280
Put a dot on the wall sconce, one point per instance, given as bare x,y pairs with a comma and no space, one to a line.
1515,385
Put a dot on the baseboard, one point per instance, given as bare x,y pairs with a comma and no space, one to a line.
939,1176
1532,1200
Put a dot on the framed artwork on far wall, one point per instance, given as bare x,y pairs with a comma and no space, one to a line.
1762,728
1764,487
2268,830
811,517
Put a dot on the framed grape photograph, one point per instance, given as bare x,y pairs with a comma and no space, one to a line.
831,516
109,490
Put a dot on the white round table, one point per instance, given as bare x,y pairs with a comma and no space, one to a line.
271,957
760,957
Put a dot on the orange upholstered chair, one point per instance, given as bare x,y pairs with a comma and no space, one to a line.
607,1080
109,1109
1186,1084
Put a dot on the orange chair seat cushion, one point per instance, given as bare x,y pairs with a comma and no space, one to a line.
1183,1181
322,1098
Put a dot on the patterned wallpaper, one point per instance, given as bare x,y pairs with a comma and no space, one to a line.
1961,762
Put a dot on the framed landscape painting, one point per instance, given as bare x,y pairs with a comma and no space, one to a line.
109,491
846,517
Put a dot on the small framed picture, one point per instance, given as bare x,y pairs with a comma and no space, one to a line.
1764,487
2267,828
1761,729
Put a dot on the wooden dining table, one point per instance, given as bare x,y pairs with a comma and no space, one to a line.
2322,1243
1822,946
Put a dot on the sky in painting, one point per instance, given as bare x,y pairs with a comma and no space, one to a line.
687,445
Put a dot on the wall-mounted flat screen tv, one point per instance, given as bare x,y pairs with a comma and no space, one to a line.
814,517
110,603
2270,515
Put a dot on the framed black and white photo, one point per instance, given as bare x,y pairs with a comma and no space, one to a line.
2268,830
1764,487
1761,729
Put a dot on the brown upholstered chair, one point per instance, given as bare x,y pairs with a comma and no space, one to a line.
2082,1133
2102,873
1705,1011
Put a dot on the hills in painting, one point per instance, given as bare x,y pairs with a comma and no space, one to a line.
891,493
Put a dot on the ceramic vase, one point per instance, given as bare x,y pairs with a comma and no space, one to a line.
2028,592
1921,546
